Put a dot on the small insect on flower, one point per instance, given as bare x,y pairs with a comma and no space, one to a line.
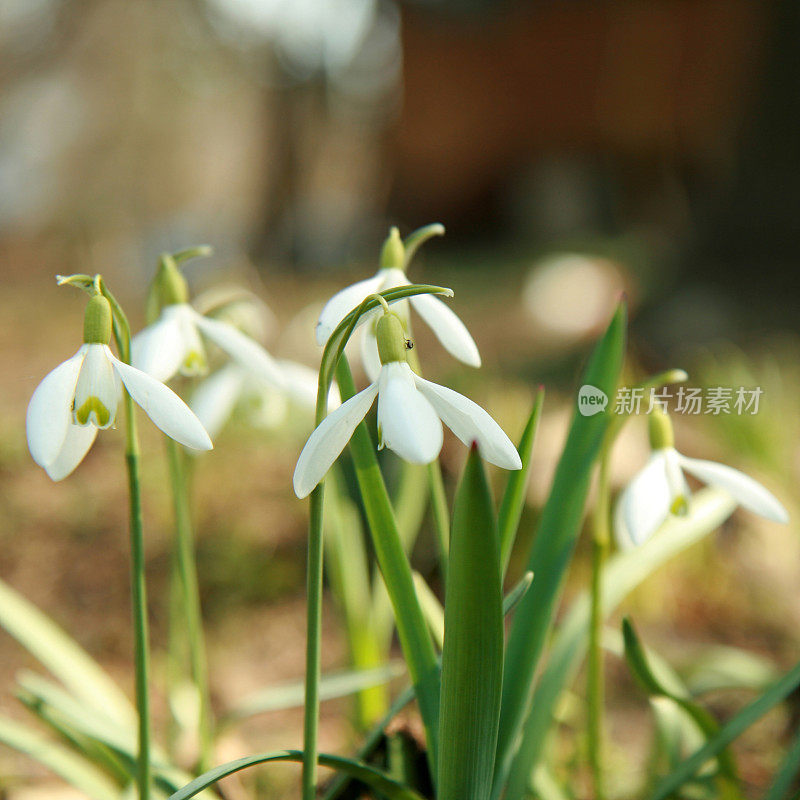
80,397
447,327
410,415
660,490
173,343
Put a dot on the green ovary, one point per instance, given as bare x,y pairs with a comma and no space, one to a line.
679,507
93,407
194,363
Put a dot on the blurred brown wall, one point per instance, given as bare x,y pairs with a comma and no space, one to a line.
643,79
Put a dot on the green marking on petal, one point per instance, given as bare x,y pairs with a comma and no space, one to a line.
93,411
679,507
194,363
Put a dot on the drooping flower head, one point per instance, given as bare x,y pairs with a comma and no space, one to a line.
173,343
81,396
410,415
660,489
234,388
395,256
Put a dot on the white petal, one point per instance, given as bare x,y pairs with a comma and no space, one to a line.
75,446
470,423
370,359
160,349
50,409
747,492
215,398
328,440
342,303
644,504
407,422
241,348
449,329
164,407
98,391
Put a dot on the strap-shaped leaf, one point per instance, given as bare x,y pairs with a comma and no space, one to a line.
663,686
554,544
787,774
624,572
333,685
750,714
62,655
513,502
378,780
472,658
74,769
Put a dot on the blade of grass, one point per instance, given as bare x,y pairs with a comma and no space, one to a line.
735,727
379,781
472,658
554,544
516,488
348,572
786,776
412,629
67,765
624,572
332,686
660,686
62,656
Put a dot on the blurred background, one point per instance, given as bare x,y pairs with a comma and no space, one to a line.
574,150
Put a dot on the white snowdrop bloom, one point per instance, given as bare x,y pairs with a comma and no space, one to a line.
81,395
447,327
410,415
660,490
265,406
173,343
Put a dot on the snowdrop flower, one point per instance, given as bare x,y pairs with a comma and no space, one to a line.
173,342
410,415
80,397
265,405
447,327
660,490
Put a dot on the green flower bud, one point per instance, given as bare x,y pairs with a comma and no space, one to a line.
97,321
392,342
661,433
170,285
393,254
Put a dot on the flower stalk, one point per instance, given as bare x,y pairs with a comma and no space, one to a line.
185,580
122,335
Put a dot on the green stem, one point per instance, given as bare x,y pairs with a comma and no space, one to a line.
139,600
601,536
412,629
190,607
313,640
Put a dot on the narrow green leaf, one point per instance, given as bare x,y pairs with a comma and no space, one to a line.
431,608
516,488
61,708
750,714
62,655
787,774
472,659
67,765
379,781
664,685
554,543
623,573
337,684
517,592
415,638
